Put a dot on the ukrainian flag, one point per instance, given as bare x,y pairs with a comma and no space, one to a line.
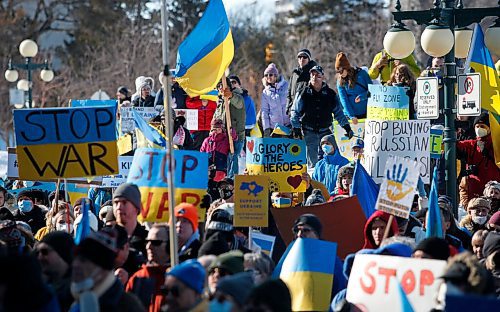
206,53
479,59
211,96
308,268
150,134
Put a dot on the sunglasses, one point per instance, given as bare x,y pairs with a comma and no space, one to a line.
155,242
268,75
174,290
302,56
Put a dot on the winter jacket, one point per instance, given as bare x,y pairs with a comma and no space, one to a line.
146,284
313,109
237,111
205,113
273,104
250,114
347,95
298,81
484,161
35,218
217,145
369,242
326,170
470,225
149,101
386,71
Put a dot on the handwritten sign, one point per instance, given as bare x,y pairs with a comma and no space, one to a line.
251,200
403,138
191,116
374,279
387,103
399,186
343,141
282,160
436,141
124,164
149,172
66,142
127,118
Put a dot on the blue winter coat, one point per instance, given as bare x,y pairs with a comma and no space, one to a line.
347,95
327,169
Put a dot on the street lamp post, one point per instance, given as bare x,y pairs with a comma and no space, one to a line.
441,37
28,49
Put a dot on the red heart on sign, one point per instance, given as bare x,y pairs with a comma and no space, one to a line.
294,181
250,145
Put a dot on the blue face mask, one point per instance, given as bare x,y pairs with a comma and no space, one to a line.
282,202
327,148
25,205
216,306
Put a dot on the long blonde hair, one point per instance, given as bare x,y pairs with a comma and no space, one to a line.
61,206
408,78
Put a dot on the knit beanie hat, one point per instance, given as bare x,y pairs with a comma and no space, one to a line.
191,273
272,293
331,139
99,248
311,220
483,118
131,193
271,69
216,245
491,243
231,261
315,198
10,235
478,202
123,90
62,243
341,61
495,219
305,52
436,247
189,212
237,286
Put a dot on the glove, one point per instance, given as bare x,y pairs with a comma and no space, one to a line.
348,131
206,201
267,132
297,133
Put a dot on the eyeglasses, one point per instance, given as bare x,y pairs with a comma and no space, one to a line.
155,242
268,75
302,56
174,290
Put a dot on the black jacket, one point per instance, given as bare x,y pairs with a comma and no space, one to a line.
299,79
35,218
140,102
191,252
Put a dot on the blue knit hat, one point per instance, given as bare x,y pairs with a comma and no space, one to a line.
191,273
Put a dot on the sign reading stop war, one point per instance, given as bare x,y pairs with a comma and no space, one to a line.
66,142
282,160
149,172
374,279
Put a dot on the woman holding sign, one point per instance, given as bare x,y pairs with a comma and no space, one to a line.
352,85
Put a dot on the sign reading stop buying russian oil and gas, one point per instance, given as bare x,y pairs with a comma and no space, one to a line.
66,142
149,172
428,98
373,282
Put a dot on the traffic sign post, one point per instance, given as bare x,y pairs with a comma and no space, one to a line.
469,95
427,98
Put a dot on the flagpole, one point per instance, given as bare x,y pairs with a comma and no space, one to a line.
228,115
174,257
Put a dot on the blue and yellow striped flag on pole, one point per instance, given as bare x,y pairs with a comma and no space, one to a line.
206,52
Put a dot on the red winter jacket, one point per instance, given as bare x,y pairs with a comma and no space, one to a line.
205,113
369,242
146,283
484,160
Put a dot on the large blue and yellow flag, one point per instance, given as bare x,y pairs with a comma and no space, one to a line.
154,137
365,189
479,59
307,267
206,52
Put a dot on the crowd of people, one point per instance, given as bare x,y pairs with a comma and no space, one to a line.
123,265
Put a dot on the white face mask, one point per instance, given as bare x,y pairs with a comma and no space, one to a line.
481,132
64,227
480,219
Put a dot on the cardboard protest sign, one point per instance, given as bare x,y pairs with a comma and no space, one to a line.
343,222
251,200
387,103
374,278
265,242
343,142
127,118
403,138
191,116
282,160
149,172
66,142
399,186
90,103
436,141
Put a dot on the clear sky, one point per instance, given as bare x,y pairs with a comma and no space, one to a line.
265,8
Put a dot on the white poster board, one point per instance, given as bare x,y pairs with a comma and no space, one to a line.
191,116
427,98
469,95
124,163
127,119
373,282
403,138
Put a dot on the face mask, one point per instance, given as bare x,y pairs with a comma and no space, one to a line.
25,205
282,202
85,285
480,132
327,148
479,220
216,306
64,227
225,194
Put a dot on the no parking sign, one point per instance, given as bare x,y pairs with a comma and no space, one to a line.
469,95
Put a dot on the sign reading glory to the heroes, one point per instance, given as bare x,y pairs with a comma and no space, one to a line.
66,142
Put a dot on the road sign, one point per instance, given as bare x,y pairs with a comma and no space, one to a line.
100,95
427,98
469,94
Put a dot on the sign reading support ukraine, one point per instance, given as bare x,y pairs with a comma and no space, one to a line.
282,160
149,172
387,103
66,142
